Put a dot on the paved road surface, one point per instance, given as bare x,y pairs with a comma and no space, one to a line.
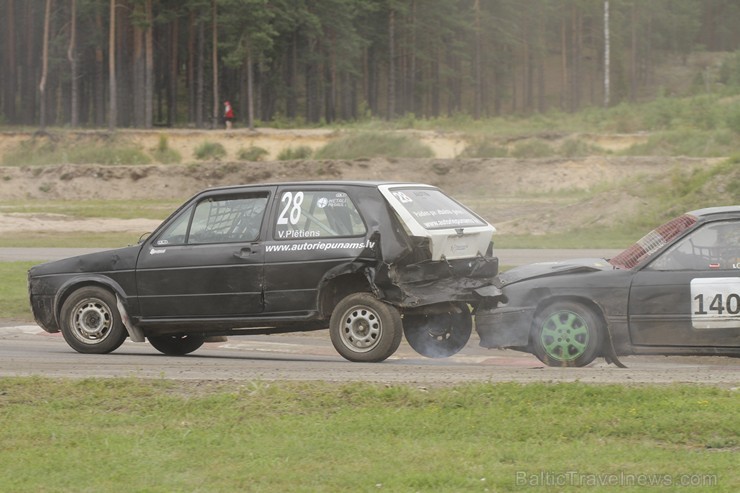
506,257
26,350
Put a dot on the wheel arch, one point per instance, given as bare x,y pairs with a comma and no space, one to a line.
72,285
333,290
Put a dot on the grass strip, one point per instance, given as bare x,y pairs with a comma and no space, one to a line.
118,209
72,239
13,290
136,435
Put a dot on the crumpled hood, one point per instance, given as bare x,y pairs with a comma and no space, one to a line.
547,269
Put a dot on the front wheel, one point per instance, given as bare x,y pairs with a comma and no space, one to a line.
441,333
176,345
90,321
364,329
566,334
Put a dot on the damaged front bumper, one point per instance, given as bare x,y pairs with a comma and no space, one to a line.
504,327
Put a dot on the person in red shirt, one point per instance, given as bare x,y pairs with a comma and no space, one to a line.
228,115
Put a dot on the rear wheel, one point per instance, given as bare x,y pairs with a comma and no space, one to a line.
567,334
176,345
439,334
90,321
364,329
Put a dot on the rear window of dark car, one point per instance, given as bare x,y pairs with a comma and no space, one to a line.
434,210
652,242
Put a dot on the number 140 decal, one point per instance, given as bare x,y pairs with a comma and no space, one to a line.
715,303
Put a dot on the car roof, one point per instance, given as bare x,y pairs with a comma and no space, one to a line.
730,209
332,183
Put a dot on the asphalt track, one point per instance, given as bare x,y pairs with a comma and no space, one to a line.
27,350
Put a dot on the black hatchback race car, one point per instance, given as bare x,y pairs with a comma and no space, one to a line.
371,261
675,292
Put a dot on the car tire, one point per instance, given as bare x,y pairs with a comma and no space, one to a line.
90,321
176,345
364,329
439,334
566,333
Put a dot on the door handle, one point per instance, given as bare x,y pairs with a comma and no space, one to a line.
244,252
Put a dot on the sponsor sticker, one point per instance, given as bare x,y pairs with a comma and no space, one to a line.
715,303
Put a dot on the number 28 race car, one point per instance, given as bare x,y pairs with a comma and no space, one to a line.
675,292
371,261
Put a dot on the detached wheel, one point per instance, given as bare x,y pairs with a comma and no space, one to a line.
439,334
364,329
90,321
176,345
567,334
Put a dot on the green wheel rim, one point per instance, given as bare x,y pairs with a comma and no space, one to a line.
564,335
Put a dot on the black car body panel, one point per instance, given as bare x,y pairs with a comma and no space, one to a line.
50,283
668,294
308,244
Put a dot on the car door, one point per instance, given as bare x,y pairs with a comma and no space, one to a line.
690,294
313,230
208,261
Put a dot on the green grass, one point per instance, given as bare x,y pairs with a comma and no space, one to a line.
680,192
208,151
687,142
295,153
72,239
120,209
134,435
374,144
252,153
608,238
51,150
700,125
14,292
164,154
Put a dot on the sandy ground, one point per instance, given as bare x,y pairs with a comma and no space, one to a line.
532,196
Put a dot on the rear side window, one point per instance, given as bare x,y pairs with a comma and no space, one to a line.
317,214
435,210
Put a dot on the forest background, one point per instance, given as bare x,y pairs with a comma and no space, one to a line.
148,63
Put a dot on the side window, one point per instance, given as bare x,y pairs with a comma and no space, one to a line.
317,214
715,246
218,220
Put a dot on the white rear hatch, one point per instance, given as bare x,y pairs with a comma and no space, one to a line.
455,232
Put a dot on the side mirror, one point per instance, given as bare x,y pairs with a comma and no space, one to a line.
143,238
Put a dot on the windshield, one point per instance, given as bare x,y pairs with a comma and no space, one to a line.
432,209
652,242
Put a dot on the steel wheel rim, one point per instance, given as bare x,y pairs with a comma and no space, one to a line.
360,329
91,321
564,335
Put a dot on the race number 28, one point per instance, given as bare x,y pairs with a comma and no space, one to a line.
715,303
291,213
